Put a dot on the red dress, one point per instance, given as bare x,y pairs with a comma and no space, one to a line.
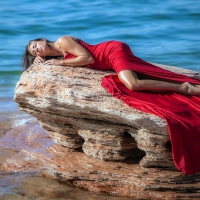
181,112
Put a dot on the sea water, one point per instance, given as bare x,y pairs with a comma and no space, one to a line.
165,32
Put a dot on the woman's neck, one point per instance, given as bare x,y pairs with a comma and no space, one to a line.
54,50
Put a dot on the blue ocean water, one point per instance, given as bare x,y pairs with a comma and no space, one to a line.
165,32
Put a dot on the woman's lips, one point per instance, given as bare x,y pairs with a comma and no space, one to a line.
40,50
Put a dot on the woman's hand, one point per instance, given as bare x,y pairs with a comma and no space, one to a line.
53,62
39,59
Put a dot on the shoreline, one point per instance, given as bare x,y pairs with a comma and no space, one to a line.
11,116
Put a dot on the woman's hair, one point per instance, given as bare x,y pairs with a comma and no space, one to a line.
27,59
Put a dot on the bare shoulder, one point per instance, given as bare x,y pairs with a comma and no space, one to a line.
66,39
65,43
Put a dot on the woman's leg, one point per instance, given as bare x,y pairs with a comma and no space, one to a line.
132,82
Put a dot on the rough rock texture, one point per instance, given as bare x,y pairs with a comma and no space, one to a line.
80,115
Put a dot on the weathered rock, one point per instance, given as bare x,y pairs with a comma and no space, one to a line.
77,112
80,115
70,101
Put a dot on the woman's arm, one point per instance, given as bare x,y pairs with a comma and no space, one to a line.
65,45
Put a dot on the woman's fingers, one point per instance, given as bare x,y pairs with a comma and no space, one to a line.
39,59
52,62
48,62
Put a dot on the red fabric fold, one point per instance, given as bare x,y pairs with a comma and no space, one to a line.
181,112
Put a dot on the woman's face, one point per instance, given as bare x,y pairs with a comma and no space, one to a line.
38,48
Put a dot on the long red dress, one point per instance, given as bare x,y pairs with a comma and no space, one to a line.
181,112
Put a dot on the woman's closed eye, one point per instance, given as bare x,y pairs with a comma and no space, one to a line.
34,49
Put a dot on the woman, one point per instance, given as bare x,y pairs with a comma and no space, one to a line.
181,112
134,73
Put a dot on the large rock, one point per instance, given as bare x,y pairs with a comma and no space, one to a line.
80,115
